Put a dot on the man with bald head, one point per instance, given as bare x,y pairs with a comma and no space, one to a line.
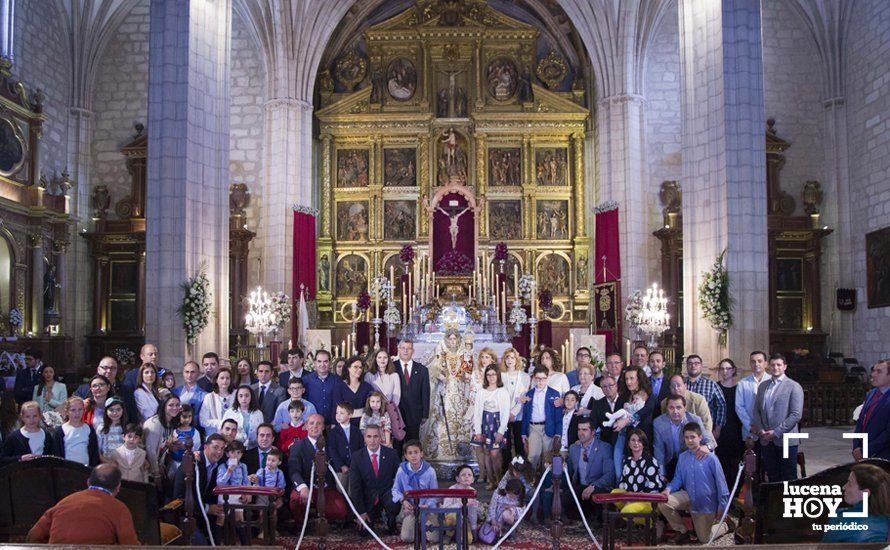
695,403
89,517
148,354
108,367
299,465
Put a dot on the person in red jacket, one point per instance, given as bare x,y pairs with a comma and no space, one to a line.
93,516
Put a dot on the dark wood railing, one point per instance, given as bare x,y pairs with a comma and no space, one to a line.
831,404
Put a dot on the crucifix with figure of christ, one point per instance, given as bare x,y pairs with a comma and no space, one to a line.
453,215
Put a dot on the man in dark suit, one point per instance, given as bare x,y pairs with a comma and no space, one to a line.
255,458
415,380
659,382
27,378
777,411
609,403
205,482
875,415
269,393
108,367
295,358
373,472
209,366
299,465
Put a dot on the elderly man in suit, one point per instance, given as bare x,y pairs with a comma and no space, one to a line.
875,415
299,465
415,381
589,470
668,435
609,403
205,481
269,393
777,411
373,471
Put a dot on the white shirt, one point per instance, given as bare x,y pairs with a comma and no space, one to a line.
538,405
314,446
372,453
559,382
185,395
407,366
346,431
517,384
593,392
566,422
77,442
497,400
745,397
771,390
36,440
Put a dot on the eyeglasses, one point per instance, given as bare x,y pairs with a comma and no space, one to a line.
693,362
612,385
98,386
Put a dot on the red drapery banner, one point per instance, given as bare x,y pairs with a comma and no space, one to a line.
303,266
607,269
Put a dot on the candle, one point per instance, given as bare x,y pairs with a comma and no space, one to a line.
516,280
534,299
572,348
354,305
343,346
392,275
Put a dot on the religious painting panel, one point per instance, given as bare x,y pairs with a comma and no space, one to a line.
352,168
552,219
399,220
502,78
505,220
789,311
877,262
400,167
789,274
401,79
451,163
551,166
352,275
324,273
504,166
12,146
352,221
553,274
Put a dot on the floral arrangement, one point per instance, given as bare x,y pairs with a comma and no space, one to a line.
526,284
545,299
454,263
196,306
518,317
53,419
124,356
380,286
280,306
363,302
406,254
500,252
597,359
714,300
634,308
15,318
391,316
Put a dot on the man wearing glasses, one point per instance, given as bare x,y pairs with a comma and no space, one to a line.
609,403
541,418
108,368
614,368
582,359
707,388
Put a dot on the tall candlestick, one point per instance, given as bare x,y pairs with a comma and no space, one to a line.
516,280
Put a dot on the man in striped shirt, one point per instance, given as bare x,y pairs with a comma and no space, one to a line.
708,389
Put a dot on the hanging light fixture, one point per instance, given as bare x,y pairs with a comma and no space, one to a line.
654,317
259,319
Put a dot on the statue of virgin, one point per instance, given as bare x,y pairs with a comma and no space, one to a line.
452,411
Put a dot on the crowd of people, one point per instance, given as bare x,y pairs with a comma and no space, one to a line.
624,428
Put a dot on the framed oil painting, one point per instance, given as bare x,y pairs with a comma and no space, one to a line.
400,167
551,166
352,168
351,275
552,220
504,166
877,267
352,221
505,220
553,272
399,220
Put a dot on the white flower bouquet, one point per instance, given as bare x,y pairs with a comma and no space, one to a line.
196,307
15,318
634,308
526,285
518,316
714,300
280,307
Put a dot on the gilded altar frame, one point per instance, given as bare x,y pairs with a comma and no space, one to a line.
438,58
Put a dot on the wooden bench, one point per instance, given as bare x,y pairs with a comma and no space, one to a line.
30,488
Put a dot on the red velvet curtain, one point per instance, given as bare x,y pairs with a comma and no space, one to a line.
303,262
442,235
607,245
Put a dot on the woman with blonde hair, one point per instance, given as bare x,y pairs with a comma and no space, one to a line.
516,383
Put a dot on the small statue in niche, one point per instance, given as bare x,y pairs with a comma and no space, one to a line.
324,270
526,94
49,288
378,85
582,273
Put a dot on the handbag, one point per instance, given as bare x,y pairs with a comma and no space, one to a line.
487,533
395,419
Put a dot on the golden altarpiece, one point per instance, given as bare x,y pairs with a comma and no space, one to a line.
453,125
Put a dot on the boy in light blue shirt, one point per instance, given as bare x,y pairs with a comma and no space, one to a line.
414,473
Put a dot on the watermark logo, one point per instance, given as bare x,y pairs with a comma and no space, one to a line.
817,501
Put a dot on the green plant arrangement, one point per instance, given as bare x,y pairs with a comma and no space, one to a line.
196,307
714,299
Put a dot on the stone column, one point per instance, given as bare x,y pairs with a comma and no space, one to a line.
7,26
77,321
38,268
289,164
724,173
623,173
188,169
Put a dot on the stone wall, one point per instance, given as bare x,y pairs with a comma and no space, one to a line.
868,109
248,93
41,56
792,90
120,99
